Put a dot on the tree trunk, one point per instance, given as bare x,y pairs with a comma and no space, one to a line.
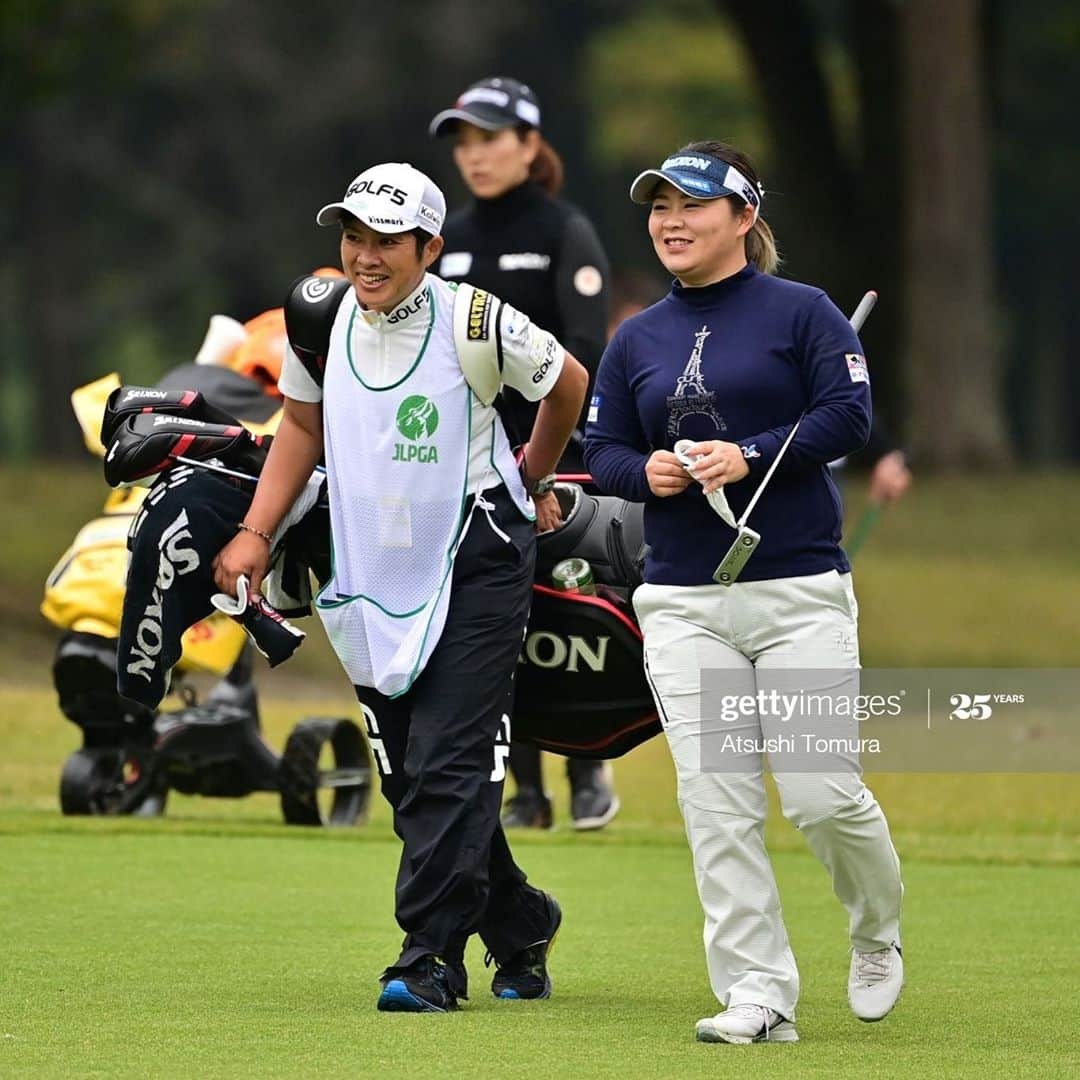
813,186
55,264
879,200
953,362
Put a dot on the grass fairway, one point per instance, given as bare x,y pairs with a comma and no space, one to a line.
252,953
216,942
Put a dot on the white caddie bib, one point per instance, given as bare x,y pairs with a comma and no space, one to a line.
397,460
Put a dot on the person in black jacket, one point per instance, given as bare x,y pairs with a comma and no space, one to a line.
541,255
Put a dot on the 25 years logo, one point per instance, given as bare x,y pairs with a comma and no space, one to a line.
980,706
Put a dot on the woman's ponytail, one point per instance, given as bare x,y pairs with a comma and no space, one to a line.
546,169
761,247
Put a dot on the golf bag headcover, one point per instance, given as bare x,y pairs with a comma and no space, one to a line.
128,401
150,442
310,309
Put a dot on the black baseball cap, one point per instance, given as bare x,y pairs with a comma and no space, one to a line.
492,104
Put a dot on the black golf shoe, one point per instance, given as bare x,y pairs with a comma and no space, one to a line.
528,809
525,976
421,987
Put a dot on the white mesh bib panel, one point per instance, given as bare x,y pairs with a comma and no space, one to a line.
397,456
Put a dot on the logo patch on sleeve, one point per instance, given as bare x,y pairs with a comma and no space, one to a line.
594,409
544,351
856,367
479,315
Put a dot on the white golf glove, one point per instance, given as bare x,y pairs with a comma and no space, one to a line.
717,499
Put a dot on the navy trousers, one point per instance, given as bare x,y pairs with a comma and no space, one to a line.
441,751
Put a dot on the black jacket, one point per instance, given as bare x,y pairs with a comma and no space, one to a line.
543,257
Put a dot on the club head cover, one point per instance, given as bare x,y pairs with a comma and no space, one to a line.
149,443
127,401
270,632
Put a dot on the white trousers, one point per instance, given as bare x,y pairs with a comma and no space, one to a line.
743,638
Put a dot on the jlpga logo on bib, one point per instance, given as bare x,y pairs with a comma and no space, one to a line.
417,418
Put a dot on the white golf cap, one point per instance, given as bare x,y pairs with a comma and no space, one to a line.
391,198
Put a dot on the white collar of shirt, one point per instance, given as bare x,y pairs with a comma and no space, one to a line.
414,311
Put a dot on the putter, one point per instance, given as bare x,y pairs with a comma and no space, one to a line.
746,539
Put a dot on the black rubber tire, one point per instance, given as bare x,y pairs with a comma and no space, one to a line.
300,777
92,782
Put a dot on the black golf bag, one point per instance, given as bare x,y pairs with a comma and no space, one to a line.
581,688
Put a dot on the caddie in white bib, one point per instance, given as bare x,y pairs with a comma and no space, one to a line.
397,460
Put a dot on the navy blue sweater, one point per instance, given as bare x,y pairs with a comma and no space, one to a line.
740,360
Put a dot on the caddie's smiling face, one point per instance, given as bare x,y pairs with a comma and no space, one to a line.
698,240
384,268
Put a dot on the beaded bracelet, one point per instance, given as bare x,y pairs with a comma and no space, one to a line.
258,532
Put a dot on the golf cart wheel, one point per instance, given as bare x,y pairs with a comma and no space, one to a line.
104,780
325,773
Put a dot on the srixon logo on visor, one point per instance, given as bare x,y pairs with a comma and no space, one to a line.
368,187
687,162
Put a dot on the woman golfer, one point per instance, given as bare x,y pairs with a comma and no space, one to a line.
730,360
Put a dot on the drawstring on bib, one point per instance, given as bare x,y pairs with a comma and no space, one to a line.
487,507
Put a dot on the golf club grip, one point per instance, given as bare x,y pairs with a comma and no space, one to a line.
860,314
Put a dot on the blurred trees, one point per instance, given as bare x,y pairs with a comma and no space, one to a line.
172,153
166,158
952,353
904,204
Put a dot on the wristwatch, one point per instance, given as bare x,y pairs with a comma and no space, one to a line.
543,485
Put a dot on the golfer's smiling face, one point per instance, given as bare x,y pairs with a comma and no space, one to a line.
383,268
698,240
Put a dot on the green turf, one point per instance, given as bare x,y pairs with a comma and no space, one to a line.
249,955
218,942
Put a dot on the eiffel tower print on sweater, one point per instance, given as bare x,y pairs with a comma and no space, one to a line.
690,397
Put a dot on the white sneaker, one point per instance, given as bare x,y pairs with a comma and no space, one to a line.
746,1024
875,982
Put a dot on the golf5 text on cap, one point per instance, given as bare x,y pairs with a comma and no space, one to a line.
701,176
492,104
391,198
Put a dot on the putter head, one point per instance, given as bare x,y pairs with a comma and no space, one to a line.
746,541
